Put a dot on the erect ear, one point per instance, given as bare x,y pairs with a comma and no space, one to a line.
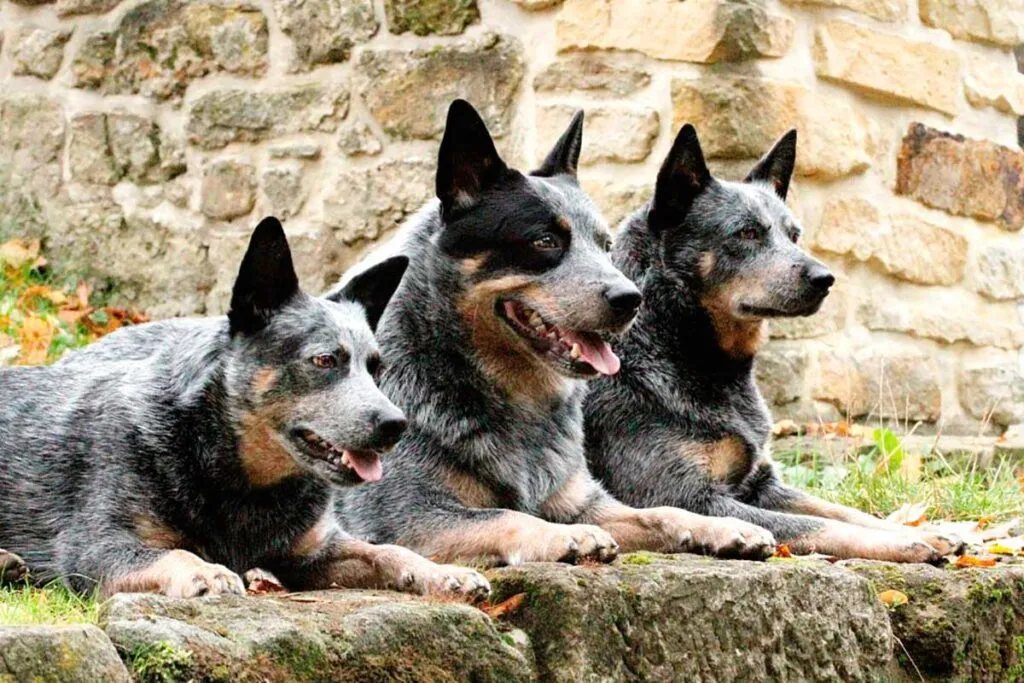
682,177
564,157
467,163
373,289
776,167
266,279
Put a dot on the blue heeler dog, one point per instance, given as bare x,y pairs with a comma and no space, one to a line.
683,422
172,456
487,347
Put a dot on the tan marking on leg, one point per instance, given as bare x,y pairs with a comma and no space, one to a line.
318,536
177,573
568,501
850,541
155,534
722,460
470,491
263,380
264,459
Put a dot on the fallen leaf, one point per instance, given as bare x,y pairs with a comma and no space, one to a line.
265,586
297,597
983,521
18,253
893,598
503,608
973,561
34,337
785,428
782,550
910,514
1007,546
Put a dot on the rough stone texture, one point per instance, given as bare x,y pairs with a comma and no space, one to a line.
886,64
964,177
377,199
883,10
89,158
613,133
283,191
617,201
234,115
325,31
59,654
335,635
886,381
68,8
592,72
408,92
229,189
903,245
702,31
996,84
780,371
993,391
358,139
295,150
663,618
991,21
160,46
32,130
834,139
958,318
1000,272
425,17
107,148
38,51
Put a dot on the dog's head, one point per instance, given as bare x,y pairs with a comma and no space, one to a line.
536,283
302,369
734,244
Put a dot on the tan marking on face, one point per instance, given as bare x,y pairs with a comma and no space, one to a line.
317,537
263,380
264,460
723,460
155,534
470,491
566,503
706,264
740,338
470,265
564,223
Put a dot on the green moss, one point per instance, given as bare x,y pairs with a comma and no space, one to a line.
1015,673
304,660
639,558
160,662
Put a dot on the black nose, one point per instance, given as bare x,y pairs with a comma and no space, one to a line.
819,277
624,300
388,431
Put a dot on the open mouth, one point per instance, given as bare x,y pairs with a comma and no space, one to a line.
579,353
365,464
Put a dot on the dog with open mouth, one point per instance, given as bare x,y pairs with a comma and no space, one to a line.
501,319
173,456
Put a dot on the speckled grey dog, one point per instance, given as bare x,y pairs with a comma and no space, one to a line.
487,346
683,422
170,457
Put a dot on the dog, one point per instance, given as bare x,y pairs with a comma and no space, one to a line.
487,347
170,457
683,422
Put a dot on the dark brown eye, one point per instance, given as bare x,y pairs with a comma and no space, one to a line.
325,361
373,366
546,243
748,234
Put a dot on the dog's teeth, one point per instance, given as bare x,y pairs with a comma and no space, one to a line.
536,320
344,459
574,353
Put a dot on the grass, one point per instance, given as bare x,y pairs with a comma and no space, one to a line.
24,605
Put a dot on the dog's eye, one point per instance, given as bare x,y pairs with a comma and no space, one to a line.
325,361
748,234
546,243
373,366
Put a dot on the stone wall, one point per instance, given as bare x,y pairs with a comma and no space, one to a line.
143,139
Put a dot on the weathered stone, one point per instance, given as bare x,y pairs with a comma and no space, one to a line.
991,21
89,158
59,654
282,188
780,369
376,200
613,132
834,140
340,635
425,17
228,190
358,139
534,5
160,46
295,150
106,148
953,318
32,131
233,115
39,51
996,84
886,64
1000,272
883,10
678,618
69,8
993,391
887,381
830,318
593,72
325,31
964,177
408,92
617,201
903,245
702,31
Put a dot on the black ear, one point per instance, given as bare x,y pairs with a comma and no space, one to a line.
374,288
564,157
682,177
266,279
467,163
776,167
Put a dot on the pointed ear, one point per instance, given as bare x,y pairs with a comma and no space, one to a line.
776,167
266,279
564,157
682,177
467,163
374,288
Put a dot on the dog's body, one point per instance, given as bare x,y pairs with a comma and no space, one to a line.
172,456
684,423
486,348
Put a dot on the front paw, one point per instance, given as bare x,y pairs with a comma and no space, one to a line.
944,544
570,543
462,582
202,578
729,537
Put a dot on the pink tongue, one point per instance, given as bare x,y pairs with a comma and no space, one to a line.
595,351
366,464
